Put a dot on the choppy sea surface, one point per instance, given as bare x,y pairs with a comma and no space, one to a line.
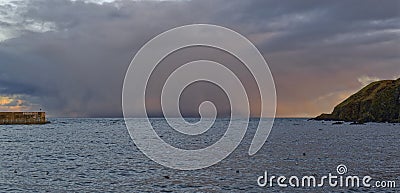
98,155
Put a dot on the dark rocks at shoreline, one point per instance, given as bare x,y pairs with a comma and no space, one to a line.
337,123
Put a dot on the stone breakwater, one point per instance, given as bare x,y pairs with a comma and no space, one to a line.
22,118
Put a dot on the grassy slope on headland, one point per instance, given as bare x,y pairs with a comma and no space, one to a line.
377,102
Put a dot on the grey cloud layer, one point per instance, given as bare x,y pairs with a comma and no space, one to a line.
77,68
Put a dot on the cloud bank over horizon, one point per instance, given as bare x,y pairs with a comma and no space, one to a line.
70,57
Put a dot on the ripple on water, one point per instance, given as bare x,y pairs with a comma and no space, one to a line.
98,155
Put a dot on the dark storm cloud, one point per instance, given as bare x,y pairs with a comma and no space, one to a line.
316,49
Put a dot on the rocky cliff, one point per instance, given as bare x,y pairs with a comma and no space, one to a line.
377,102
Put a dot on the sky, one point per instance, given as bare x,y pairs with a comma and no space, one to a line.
69,58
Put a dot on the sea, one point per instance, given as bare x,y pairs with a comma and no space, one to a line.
98,155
